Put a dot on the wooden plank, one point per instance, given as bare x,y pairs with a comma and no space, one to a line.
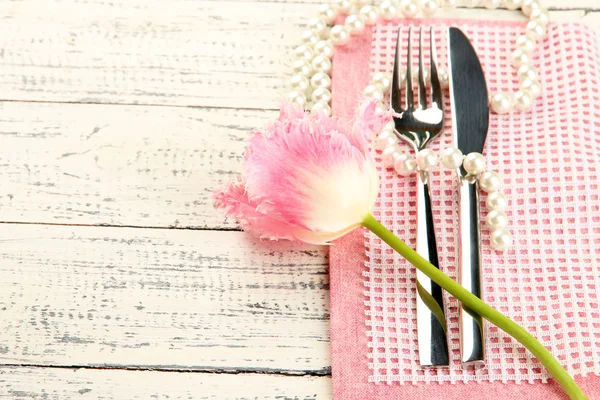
68,384
119,165
180,52
161,299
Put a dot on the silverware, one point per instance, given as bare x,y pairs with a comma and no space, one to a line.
418,125
470,112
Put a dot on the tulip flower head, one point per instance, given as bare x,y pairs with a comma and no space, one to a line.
306,177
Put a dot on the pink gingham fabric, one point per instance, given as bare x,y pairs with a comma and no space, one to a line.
550,279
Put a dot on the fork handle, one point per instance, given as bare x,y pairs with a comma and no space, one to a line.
431,331
471,328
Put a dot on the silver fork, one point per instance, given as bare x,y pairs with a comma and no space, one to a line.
418,124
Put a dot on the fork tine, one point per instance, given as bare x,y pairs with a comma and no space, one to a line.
396,92
436,90
409,92
422,93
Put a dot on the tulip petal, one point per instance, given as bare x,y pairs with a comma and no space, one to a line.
309,178
306,177
233,198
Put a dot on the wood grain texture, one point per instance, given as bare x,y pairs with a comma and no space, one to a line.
177,52
70,384
162,299
119,165
180,52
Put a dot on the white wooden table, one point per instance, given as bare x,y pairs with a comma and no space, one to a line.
118,279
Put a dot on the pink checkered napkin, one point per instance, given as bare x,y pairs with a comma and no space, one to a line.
548,282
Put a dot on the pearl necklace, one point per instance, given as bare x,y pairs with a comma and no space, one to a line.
313,66
314,62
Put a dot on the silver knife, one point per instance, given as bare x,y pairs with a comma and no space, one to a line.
470,112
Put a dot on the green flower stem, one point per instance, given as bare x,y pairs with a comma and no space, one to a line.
480,307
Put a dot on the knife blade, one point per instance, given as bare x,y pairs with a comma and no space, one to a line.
470,111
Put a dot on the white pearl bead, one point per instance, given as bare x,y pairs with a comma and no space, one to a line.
382,80
512,4
320,79
361,2
533,87
388,10
426,160
501,239
310,38
380,108
387,133
452,158
535,30
501,103
317,25
429,8
305,52
526,43
343,6
327,13
389,126
540,15
321,107
302,67
389,155
322,64
474,163
450,3
529,5
522,100
300,82
496,219
444,77
405,165
354,24
519,57
339,35
491,4
369,15
409,8
382,144
373,92
472,3
385,139
297,97
321,95
525,72
496,201
489,181
324,47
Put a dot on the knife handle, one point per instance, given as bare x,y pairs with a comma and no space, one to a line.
471,327
431,324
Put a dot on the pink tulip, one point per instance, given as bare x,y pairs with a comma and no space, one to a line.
306,177
309,178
